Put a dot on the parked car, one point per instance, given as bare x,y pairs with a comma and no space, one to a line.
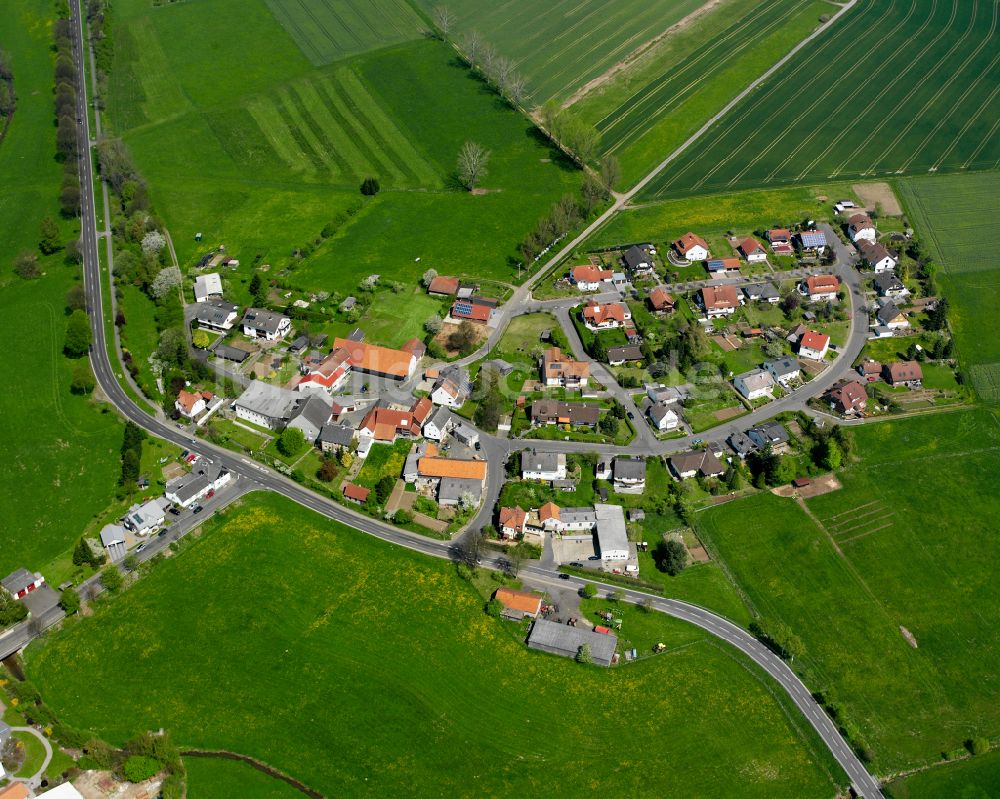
197,509
139,548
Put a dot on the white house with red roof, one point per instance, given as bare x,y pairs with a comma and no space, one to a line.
814,345
752,251
691,247
607,316
189,404
860,226
590,278
821,288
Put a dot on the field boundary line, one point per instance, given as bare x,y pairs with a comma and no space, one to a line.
867,521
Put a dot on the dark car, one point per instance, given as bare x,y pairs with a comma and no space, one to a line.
197,509
563,576
577,564
161,533
175,511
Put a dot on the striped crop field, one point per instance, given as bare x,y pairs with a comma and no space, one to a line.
329,128
562,44
955,216
327,30
895,87
630,120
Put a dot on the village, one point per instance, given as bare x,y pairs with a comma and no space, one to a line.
678,375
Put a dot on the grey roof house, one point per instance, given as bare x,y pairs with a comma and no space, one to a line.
335,436
451,489
561,639
311,414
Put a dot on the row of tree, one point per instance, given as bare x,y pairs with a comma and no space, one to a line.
8,99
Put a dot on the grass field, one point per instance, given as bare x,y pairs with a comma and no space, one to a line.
559,47
409,682
331,29
978,778
894,88
954,216
740,212
226,779
262,158
60,452
643,117
908,542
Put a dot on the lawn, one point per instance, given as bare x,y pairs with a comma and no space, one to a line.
262,158
139,335
978,778
384,460
522,338
745,211
34,754
409,694
954,216
563,45
60,451
226,779
917,550
645,114
827,114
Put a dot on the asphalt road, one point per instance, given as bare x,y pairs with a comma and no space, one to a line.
259,477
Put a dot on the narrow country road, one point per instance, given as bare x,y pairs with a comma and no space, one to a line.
258,476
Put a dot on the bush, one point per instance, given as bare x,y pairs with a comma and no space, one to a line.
370,187
112,579
70,601
402,516
494,608
291,441
978,746
589,591
77,334
26,265
83,381
139,768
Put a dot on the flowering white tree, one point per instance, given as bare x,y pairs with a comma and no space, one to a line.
429,275
370,282
168,280
153,243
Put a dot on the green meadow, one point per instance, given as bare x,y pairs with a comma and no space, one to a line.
226,779
977,778
367,670
260,155
954,216
60,451
907,548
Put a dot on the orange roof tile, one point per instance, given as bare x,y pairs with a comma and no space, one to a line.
719,297
451,467
352,491
813,340
687,241
548,511
375,359
822,284
523,601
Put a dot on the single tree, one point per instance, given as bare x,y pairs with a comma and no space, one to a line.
26,265
472,161
78,337
670,556
257,289
11,611
49,240
618,595
370,187
444,19
83,379
76,298
494,608
589,591
464,337
383,488
428,277
70,601
112,579
166,282
153,243
611,172
131,562
583,654
291,441
201,339
328,470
